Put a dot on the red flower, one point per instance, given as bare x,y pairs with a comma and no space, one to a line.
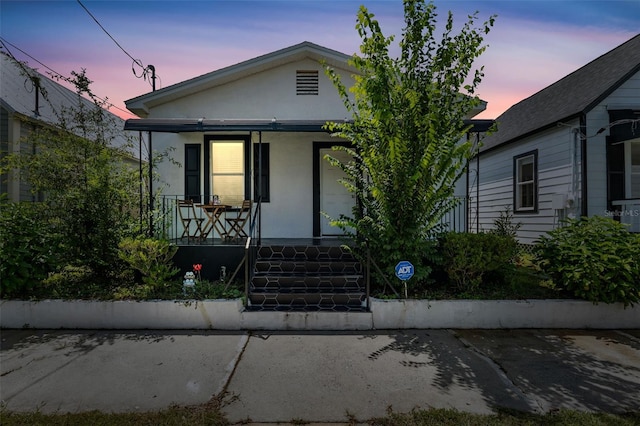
197,267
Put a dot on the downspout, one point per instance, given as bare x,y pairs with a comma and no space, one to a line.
153,82
467,207
478,193
583,159
140,180
260,188
575,207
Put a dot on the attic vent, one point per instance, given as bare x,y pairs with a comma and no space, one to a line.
306,82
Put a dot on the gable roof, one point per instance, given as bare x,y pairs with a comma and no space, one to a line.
19,95
140,105
575,94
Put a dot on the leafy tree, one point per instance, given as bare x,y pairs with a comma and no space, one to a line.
407,131
90,194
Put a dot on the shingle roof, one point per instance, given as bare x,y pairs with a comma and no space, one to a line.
18,95
18,92
574,94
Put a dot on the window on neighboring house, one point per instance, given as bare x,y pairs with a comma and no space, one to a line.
306,82
261,172
228,171
632,154
525,182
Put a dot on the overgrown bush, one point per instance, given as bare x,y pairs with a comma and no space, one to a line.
29,248
72,282
153,259
504,224
469,258
595,258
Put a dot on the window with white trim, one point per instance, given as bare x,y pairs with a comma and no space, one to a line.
632,156
525,191
227,171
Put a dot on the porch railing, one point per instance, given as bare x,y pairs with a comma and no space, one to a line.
168,222
627,212
456,218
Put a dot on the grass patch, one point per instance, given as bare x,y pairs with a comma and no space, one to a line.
171,416
211,415
445,417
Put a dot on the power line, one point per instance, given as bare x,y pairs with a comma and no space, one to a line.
107,33
145,70
52,72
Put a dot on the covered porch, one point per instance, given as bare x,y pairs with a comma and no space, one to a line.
280,168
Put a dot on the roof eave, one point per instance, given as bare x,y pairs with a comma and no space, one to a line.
206,125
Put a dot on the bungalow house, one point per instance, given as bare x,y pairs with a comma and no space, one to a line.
29,99
254,131
570,150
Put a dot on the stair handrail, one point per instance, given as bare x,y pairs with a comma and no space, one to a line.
249,261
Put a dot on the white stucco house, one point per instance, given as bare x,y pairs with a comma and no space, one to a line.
254,132
257,121
570,150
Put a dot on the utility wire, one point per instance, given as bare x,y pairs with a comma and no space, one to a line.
53,72
145,70
107,33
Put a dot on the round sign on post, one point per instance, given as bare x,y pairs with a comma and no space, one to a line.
404,270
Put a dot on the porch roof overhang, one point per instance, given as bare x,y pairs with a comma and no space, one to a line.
186,125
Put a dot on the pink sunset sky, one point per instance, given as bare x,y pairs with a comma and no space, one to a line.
533,43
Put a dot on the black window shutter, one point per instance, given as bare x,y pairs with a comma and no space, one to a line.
192,172
257,167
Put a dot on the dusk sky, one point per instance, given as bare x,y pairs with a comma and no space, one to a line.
533,43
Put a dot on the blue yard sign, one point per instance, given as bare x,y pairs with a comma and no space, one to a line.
404,270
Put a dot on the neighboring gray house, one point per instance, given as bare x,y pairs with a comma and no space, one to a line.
570,150
29,99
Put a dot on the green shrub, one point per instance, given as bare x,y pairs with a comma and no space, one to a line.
29,248
152,258
504,225
595,258
468,258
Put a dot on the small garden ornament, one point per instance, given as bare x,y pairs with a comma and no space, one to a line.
189,282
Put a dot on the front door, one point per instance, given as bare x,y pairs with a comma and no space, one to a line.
334,197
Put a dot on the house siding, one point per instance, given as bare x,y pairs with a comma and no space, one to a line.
4,148
491,190
626,96
24,190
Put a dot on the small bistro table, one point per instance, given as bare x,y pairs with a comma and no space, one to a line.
214,214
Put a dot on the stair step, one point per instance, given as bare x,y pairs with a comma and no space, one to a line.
285,308
266,279
307,278
315,284
305,252
328,300
306,290
307,267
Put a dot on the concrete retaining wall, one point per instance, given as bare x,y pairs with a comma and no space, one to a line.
385,314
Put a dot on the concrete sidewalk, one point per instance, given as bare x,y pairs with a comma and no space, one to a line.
321,376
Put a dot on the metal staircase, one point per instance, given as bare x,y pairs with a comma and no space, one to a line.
306,278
